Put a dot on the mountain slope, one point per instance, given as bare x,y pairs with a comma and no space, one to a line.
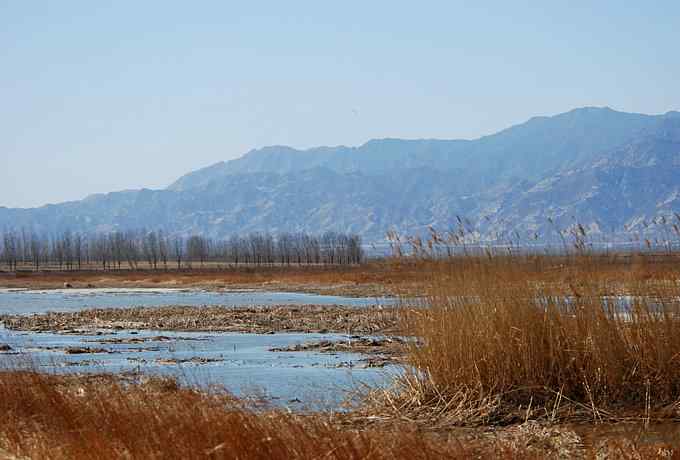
608,170
524,151
312,201
625,188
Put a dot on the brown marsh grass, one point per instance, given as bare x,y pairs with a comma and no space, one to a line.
374,278
508,339
488,354
53,417
101,417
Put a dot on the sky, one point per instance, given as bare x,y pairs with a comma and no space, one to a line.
113,95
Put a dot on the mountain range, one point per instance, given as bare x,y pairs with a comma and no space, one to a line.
610,171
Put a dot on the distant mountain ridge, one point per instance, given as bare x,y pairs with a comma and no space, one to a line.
611,171
567,138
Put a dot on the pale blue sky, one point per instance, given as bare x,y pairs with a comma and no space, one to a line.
99,96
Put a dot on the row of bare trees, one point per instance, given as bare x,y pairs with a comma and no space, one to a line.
23,249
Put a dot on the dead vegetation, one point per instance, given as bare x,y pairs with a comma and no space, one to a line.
265,319
106,417
51,417
510,339
375,278
512,351
379,351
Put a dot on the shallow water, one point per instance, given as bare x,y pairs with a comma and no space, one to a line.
242,362
27,301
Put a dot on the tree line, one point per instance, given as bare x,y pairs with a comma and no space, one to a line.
157,249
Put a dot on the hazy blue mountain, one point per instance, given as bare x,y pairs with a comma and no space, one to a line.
312,201
524,151
625,188
602,168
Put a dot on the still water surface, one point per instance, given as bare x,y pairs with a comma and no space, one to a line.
242,363
28,301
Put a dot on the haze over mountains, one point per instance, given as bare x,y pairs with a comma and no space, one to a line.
611,171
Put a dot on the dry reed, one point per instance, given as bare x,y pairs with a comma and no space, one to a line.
52,417
507,339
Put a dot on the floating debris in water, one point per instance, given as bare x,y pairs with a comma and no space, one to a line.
84,350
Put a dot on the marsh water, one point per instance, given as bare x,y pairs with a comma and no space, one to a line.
242,363
29,301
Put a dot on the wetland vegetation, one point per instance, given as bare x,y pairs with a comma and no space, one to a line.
515,355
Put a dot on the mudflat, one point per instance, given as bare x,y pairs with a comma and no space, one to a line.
256,319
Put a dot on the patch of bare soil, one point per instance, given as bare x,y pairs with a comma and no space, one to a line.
380,351
265,319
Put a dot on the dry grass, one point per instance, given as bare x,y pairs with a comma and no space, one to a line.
51,417
375,278
402,276
101,417
254,319
507,339
489,353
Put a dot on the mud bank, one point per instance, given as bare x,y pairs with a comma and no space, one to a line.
265,319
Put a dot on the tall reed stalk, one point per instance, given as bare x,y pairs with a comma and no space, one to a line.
530,333
50,417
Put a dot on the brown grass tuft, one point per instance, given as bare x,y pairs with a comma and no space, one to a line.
51,417
507,339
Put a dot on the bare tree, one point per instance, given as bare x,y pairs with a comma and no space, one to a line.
178,250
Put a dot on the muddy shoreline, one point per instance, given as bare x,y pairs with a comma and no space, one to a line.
340,289
254,319
370,280
380,351
356,323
